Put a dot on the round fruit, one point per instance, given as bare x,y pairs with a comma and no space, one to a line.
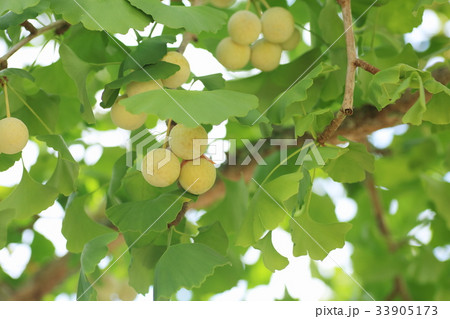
293,41
244,27
188,143
277,24
222,3
181,76
124,119
197,176
231,55
140,87
13,135
266,55
160,167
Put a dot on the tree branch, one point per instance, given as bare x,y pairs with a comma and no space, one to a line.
180,215
45,281
58,25
366,66
379,213
347,105
29,27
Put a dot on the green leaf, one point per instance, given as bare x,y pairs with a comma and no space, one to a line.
438,109
316,239
42,249
142,266
78,70
195,19
160,70
149,51
351,167
231,210
6,215
85,292
12,72
94,251
331,25
29,198
185,266
65,176
189,107
439,192
11,19
17,6
272,259
267,209
312,122
212,81
213,236
114,16
78,228
389,18
297,92
148,215
7,161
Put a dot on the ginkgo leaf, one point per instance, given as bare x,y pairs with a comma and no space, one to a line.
184,266
189,107
195,19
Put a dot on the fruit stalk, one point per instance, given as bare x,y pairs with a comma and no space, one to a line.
5,89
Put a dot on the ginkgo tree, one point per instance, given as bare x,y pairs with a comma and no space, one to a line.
323,97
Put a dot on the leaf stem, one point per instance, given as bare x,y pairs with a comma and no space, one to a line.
5,89
32,111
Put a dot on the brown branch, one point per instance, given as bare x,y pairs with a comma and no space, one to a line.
180,215
29,27
399,289
188,37
332,128
366,66
347,105
379,213
55,25
45,281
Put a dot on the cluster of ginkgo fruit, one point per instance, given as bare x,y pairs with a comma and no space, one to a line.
242,46
162,167
196,173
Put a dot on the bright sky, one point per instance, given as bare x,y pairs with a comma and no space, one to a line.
296,277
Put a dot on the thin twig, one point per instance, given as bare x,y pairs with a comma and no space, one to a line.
55,25
180,215
347,105
366,66
332,128
29,27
